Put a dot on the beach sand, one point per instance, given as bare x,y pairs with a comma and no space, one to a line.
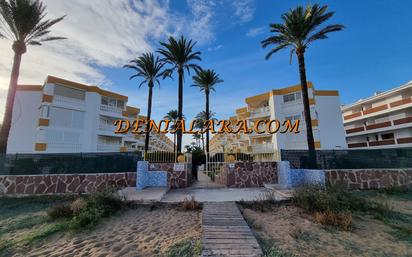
136,232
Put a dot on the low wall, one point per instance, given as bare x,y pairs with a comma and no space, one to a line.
248,174
175,179
369,178
64,183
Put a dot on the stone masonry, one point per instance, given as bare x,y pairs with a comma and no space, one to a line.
370,178
64,183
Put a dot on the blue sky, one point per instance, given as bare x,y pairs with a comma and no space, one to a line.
371,54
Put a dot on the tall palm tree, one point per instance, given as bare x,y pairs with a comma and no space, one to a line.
206,80
180,54
299,29
150,69
200,123
23,22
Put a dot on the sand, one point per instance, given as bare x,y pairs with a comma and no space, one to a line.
294,231
136,232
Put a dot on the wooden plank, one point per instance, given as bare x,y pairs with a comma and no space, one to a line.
226,233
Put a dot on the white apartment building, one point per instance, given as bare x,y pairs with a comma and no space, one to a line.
380,121
63,116
286,103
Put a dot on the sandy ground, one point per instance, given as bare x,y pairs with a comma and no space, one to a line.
137,232
293,231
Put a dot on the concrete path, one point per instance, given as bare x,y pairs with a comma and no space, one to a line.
147,195
216,194
226,233
203,181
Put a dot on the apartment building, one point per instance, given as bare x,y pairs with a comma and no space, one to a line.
383,120
63,116
286,103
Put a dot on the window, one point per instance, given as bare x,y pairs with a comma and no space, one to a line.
61,117
292,97
45,111
69,92
105,100
376,137
387,136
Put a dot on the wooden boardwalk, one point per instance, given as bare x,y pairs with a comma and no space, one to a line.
226,233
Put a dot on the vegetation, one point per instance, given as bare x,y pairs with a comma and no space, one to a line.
30,219
23,22
173,116
206,80
190,204
180,54
150,69
185,248
299,29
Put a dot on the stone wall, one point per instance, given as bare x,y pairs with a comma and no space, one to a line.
175,179
369,178
249,174
64,183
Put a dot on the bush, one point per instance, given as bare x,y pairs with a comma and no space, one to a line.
106,201
87,218
342,220
337,199
190,204
60,211
78,205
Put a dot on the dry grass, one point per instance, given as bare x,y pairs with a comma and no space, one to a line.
341,220
190,204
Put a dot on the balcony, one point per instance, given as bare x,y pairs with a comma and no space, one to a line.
111,109
402,121
375,109
404,140
353,115
354,130
108,147
260,112
382,142
379,125
58,99
263,148
355,145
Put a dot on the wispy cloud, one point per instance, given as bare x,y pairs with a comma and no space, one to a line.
244,10
253,32
214,48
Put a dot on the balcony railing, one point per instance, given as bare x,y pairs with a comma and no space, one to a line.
382,142
262,111
112,109
354,145
108,147
68,100
263,148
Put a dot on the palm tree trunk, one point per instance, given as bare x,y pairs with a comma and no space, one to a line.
6,125
149,113
305,98
207,118
180,110
203,143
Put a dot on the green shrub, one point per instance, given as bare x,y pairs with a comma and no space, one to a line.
337,199
60,211
185,248
87,218
106,201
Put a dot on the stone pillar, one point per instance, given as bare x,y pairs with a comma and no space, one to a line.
284,176
141,176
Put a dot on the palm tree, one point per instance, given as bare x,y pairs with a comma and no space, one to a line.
200,123
150,69
298,30
206,80
197,138
173,116
180,55
24,23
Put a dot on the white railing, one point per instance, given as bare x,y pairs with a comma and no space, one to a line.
108,148
263,148
113,109
68,100
106,127
64,147
262,111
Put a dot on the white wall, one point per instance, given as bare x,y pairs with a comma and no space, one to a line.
24,122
